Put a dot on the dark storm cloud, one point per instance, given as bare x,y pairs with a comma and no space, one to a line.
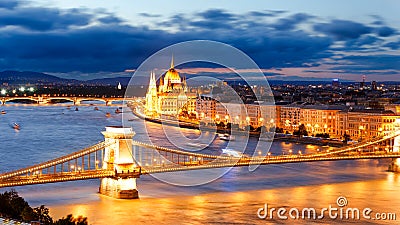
52,40
363,64
217,14
149,15
8,4
284,49
43,19
290,22
261,14
101,48
363,43
214,19
110,19
385,31
395,45
342,29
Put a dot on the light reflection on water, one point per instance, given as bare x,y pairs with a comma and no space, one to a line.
238,207
49,132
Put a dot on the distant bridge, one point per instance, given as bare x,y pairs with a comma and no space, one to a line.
119,160
44,100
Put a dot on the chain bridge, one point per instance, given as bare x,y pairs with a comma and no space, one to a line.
119,160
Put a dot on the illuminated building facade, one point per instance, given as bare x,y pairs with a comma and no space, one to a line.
320,119
366,124
170,97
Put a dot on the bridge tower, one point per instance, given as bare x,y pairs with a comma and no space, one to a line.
395,165
118,157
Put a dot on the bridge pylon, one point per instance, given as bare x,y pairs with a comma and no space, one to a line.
395,164
118,158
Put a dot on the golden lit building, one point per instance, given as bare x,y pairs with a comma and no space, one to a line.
366,124
256,115
320,119
171,97
289,118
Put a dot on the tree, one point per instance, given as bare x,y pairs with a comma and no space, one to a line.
346,138
261,129
70,220
12,205
302,131
42,214
277,130
15,207
28,214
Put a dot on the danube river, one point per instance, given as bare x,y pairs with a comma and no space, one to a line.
52,131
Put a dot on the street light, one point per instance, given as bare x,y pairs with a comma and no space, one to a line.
3,91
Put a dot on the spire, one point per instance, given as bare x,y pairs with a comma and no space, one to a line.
184,84
172,61
152,83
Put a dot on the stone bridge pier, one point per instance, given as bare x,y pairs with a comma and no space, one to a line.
395,164
118,157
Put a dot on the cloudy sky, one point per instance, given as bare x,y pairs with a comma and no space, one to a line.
293,39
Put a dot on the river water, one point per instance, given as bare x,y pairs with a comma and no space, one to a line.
52,131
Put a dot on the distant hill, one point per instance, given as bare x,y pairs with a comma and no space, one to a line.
24,77
110,81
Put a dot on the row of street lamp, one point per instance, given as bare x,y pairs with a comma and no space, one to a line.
21,89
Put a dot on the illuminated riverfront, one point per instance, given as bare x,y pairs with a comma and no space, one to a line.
123,159
213,112
239,186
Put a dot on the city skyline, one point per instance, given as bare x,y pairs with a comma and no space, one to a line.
87,40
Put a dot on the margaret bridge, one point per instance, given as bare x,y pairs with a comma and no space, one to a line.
119,161
43,100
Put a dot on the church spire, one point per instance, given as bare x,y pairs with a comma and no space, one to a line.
172,62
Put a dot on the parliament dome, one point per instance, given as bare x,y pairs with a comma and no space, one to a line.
172,74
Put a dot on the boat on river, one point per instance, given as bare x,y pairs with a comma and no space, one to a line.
16,126
231,152
226,137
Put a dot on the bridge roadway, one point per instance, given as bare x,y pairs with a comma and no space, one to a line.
185,166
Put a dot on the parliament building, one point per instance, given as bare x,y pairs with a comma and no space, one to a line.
170,97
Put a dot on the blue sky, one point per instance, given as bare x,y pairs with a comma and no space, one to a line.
296,39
